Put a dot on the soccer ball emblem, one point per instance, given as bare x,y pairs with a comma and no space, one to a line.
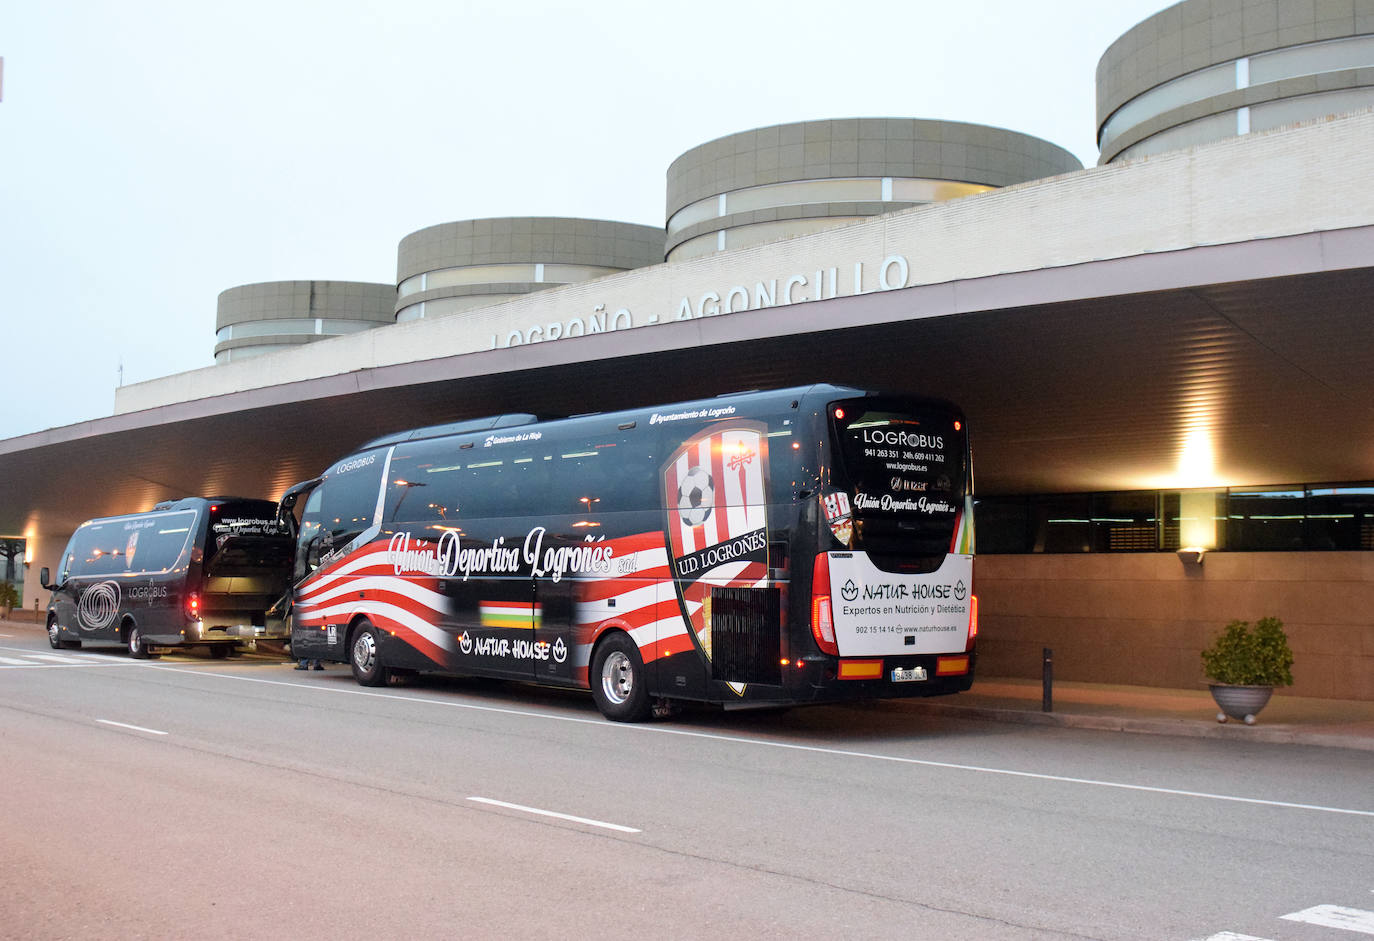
696,497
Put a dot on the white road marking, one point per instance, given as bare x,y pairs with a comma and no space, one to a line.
1231,936
628,729
551,813
136,728
13,663
72,659
1334,916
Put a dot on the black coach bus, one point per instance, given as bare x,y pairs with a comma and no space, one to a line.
801,545
196,571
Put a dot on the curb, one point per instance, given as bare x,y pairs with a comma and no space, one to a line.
1184,728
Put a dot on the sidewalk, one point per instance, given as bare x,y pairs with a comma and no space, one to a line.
1289,720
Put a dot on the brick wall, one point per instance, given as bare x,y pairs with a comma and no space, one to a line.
1143,619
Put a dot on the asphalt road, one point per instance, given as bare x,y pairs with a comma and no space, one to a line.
190,797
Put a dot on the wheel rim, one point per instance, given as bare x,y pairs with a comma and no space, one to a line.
135,641
365,652
618,677
52,632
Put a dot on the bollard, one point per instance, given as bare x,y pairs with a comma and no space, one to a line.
1046,680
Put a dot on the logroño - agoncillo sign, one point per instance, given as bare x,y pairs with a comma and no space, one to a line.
891,274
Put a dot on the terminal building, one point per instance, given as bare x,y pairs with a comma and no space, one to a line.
1167,360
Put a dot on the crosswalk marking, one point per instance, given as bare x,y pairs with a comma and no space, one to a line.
1334,916
1231,936
48,660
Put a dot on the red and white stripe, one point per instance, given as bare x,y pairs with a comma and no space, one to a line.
364,583
637,597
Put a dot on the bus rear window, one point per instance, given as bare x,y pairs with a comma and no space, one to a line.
904,470
233,519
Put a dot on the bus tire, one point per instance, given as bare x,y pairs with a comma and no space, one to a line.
618,680
138,647
54,634
365,656
219,651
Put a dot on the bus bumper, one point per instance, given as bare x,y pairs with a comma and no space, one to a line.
211,629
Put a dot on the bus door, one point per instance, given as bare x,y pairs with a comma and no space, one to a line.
492,613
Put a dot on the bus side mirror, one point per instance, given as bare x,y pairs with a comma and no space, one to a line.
43,580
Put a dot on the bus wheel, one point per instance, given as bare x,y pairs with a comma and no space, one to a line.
54,635
618,680
219,651
365,657
138,648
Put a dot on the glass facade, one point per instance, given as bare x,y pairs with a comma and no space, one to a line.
530,272
1250,519
744,236
821,192
304,326
1356,52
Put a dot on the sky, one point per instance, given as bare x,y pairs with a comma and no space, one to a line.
154,153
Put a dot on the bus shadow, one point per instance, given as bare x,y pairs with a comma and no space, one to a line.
832,724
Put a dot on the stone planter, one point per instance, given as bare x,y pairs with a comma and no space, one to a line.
1240,702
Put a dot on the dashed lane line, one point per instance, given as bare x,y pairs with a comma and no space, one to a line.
552,813
136,728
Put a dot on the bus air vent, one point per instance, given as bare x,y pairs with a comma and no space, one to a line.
745,635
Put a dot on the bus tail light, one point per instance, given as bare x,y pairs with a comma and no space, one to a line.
951,666
822,617
972,621
193,606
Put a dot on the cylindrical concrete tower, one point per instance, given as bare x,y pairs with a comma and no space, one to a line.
253,319
1204,70
457,266
791,179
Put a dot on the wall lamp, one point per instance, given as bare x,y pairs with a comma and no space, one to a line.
1191,555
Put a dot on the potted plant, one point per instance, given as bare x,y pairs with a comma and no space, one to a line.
9,599
1245,665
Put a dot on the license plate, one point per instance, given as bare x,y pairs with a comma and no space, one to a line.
914,675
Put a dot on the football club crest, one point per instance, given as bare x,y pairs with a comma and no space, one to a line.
716,489
839,516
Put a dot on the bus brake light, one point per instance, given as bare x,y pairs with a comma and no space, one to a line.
822,617
972,621
193,606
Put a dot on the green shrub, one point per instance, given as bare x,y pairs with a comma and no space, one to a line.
1244,657
9,595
